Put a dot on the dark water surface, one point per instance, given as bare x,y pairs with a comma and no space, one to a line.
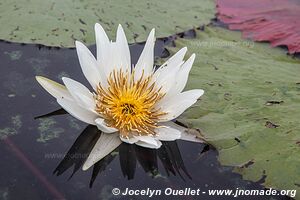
35,147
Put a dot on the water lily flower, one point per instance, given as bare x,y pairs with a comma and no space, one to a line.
133,104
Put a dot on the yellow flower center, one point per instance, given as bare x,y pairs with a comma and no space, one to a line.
129,105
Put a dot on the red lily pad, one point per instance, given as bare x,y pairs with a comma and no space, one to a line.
276,21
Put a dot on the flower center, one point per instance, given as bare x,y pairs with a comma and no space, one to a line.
129,105
128,109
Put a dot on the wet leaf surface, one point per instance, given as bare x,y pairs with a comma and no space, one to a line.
60,23
239,77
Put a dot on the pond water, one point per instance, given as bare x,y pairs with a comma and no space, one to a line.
31,149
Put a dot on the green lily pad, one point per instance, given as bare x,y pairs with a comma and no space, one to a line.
251,107
60,23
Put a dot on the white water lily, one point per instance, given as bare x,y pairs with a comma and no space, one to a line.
134,102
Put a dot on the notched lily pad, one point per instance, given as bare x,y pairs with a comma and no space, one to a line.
59,23
239,79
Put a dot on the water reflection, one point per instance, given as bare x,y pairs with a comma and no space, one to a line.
129,155
56,112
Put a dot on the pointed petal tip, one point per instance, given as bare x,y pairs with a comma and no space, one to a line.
78,45
99,28
64,78
85,167
99,31
151,36
57,90
42,81
120,30
196,93
67,79
183,50
190,61
97,25
200,92
39,78
120,26
152,32
121,34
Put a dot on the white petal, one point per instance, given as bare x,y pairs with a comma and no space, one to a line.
176,58
103,53
166,77
148,142
118,54
88,64
123,49
182,76
102,126
55,89
115,60
147,139
105,145
190,137
77,111
131,140
102,42
80,93
185,133
176,105
167,133
146,60
149,145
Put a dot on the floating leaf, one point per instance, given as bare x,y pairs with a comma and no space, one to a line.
59,23
241,78
276,21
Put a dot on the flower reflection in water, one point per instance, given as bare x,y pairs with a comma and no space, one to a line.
129,155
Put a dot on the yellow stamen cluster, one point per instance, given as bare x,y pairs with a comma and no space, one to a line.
129,105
